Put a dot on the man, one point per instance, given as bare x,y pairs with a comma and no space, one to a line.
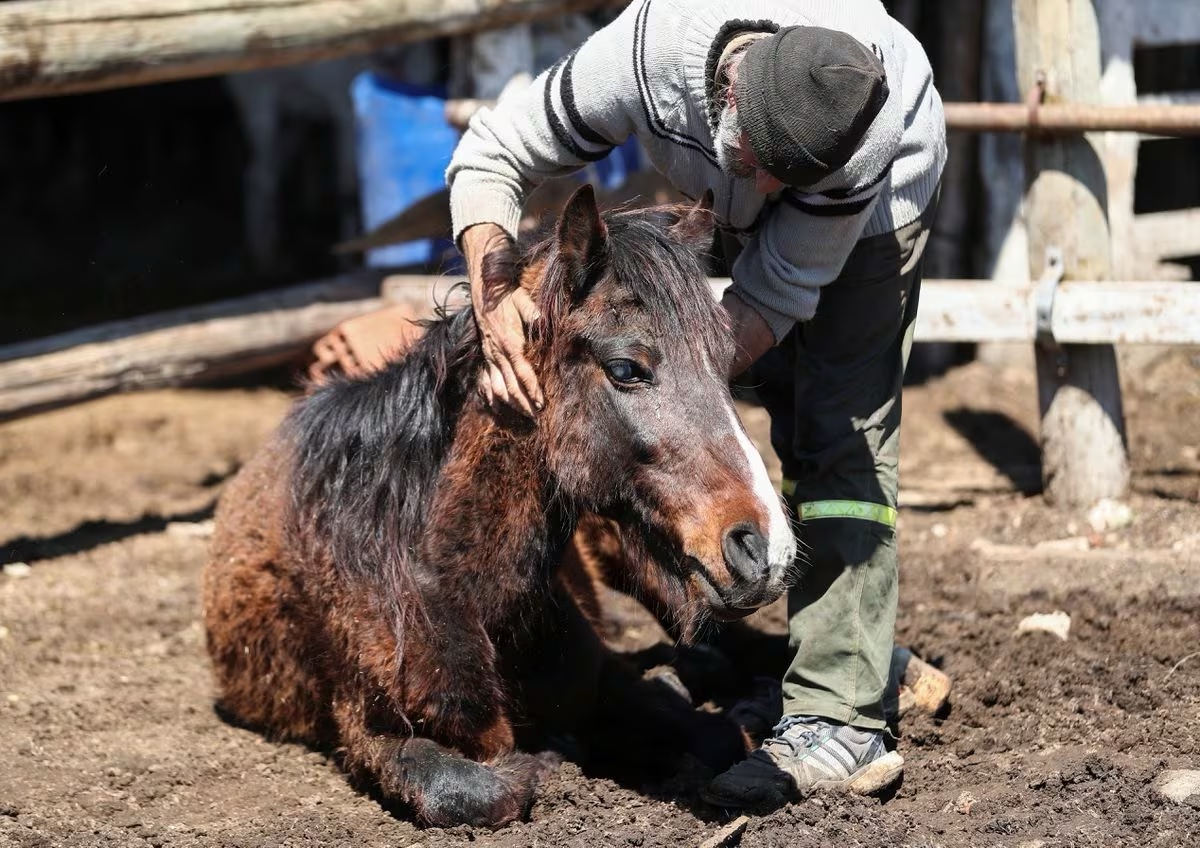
817,126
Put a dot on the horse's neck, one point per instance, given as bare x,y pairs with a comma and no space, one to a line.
496,533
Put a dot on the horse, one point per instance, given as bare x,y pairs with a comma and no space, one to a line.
384,574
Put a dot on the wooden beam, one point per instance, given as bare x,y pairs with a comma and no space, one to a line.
197,345
52,47
1084,312
1084,456
1163,119
183,347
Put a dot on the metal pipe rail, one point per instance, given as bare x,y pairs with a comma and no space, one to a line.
1154,119
1167,119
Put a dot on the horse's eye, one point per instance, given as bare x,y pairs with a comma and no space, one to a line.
626,372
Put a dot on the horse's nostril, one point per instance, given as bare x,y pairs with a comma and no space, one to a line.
745,549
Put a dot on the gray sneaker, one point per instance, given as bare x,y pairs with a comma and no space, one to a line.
805,754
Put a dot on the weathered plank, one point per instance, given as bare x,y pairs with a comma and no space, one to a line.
1156,118
64,46
1168,234
182,347
1084,312
201,344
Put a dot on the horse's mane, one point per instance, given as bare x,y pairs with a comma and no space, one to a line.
365,454
368,453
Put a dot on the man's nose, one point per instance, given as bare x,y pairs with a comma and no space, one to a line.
765,183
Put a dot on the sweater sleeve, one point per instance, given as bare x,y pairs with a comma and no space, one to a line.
572,114
801,246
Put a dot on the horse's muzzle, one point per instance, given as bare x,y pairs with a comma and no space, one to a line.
745,549
754,580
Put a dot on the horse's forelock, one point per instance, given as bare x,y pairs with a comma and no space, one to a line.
667,277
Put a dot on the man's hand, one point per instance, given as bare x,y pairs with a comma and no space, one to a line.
751,335
503,313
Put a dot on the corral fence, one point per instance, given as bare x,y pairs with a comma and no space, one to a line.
1072,311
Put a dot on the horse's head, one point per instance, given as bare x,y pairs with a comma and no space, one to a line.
639,426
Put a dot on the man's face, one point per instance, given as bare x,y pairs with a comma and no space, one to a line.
736,156
764,182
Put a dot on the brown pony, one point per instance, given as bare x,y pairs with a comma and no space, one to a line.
383,574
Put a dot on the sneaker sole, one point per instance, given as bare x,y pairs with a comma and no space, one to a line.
871,779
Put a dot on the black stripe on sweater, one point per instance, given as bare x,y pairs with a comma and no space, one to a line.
558,127
654,121
567,92
838,194
827,210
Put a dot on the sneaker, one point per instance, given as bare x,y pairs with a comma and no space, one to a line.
803,755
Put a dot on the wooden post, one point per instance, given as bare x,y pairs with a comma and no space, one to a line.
66,46
1084,455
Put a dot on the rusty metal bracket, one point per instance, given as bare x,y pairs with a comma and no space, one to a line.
1047,289
1033,100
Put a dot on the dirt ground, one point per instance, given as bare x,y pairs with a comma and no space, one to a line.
108,735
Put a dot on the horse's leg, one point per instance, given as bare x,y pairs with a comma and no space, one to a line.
438,785
428,726
556,670
621,719
647,725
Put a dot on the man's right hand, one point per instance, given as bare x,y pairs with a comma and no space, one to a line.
503,314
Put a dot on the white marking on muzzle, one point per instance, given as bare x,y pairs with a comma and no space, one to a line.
781,544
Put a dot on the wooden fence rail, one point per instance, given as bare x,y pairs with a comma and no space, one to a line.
52,47
198,345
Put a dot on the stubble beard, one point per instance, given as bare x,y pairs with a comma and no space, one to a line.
728,145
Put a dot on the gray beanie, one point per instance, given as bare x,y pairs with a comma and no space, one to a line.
805,97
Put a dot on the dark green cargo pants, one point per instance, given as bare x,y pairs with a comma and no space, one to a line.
833,388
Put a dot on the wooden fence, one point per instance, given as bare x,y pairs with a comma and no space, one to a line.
67,46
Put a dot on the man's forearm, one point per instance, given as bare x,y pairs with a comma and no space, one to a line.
476,243
751,335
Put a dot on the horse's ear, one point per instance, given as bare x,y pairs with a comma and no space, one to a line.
582,235
696,224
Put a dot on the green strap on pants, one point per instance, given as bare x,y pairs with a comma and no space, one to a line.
879,513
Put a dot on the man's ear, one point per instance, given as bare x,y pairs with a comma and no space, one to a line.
696,224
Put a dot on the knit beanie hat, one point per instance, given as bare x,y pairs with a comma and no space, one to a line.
805,97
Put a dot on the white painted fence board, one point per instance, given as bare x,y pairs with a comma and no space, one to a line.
1165,235
199,344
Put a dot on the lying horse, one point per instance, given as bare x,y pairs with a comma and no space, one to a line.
383,574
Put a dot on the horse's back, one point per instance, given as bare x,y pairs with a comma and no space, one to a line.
254,606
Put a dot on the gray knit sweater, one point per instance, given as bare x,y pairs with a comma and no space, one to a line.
645,75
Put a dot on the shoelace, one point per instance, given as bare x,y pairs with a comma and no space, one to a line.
806,738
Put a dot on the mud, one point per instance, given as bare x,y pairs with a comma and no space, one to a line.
108,736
